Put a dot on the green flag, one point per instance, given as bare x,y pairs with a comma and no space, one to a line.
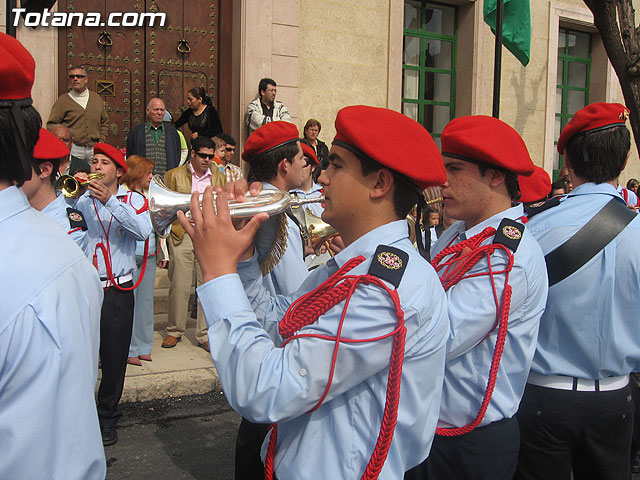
516,26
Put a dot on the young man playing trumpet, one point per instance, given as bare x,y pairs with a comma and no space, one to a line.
359,355
116,219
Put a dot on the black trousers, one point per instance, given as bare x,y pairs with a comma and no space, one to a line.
635,394
116,323
248,444
489,452
562,431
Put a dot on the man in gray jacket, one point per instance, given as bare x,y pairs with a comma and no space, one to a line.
265,108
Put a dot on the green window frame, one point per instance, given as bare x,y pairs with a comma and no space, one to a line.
429,80
570,89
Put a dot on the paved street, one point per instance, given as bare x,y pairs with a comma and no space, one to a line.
179,438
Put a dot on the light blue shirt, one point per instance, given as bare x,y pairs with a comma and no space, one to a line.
473,313
315,192
57,210
49,340
289,273
126,227
269,384
590,327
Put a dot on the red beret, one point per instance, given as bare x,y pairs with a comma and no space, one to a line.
112,152
393,140
308,152
49,147
269,137
536,186
17,69
486,140
594,117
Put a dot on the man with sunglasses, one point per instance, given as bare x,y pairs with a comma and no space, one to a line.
83,112
193,176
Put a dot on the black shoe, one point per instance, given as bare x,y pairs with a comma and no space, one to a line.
109,435
635,461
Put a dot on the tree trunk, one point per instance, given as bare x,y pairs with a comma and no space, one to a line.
615,21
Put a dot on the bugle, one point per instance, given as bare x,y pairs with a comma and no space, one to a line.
164,204
70,186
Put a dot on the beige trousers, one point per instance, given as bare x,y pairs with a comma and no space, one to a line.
182,262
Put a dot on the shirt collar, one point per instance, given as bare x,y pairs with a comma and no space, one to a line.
314,188
205,174
122,192
591,188
512,213
58,201
151,127
13,201
366,245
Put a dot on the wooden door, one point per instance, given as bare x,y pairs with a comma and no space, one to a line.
129,65
183,54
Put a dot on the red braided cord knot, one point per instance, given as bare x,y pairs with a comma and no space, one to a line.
306,310
463,263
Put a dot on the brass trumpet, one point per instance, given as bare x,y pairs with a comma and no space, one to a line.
164,204
70,186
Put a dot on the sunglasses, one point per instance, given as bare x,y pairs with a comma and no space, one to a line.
204,155
75,75
230,149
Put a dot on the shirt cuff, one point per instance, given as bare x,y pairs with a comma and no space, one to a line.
223,297
250,268
112,203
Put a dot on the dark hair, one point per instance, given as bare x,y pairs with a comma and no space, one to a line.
199,92
510,181
227,138
317,171
265,167
264,83
312,122
10,166
202,142
558,185
632,183
599,156
405,192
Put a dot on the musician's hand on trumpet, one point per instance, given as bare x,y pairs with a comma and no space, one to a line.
336,244
99,191
238,191
217,244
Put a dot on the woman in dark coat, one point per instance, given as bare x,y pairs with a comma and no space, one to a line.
311,131
201,117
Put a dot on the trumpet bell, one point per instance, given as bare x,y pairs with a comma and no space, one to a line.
70,186
319,231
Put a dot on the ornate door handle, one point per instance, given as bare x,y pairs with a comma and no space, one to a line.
183,47
104,39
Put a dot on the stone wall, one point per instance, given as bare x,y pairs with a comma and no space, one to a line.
343,58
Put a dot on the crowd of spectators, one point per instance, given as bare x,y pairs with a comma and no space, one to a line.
109,219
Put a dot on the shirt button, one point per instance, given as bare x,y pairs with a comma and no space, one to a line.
302,372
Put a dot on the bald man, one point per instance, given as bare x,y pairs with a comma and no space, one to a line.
155,139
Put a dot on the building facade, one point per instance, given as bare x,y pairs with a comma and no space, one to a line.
431,60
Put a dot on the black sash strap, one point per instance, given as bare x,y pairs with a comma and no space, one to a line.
596,234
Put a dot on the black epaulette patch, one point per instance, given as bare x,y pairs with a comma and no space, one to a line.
509,233
76,220
533,209
389,264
